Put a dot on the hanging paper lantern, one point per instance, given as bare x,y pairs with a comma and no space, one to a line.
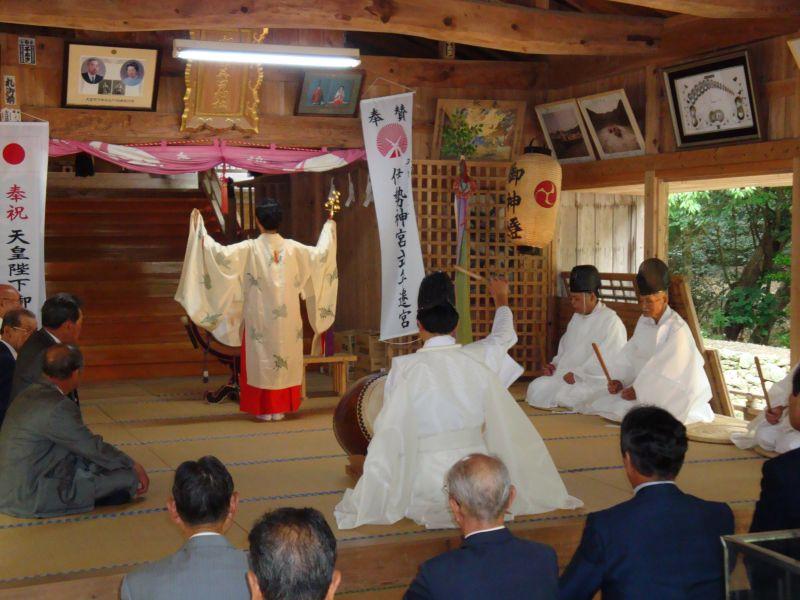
532,194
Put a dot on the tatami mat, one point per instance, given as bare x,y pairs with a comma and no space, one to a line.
297,462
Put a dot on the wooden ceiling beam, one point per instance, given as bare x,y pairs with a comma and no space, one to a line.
486,24
724,9
608,7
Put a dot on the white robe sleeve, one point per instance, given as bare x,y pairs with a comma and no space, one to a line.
384,490
609,344
320,282
781,390
510,435
493,349
210,289
674,378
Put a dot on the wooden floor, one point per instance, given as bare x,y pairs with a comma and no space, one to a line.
297,462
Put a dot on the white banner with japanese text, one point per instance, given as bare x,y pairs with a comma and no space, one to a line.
23,185
386,123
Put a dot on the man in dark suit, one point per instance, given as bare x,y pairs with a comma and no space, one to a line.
92,74
207,566
491,562
16,328
62,319
660,544
52,464
778,506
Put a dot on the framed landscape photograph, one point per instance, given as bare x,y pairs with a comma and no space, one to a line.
478,129
330,93
712,101
564,131
612,124
111,77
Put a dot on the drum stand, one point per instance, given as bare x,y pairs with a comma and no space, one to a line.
230,389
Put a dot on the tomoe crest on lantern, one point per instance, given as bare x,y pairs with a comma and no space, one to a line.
532,194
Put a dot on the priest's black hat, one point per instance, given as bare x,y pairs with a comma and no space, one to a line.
436,289
653,276
584,278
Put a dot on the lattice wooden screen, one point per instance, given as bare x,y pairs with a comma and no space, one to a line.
490,252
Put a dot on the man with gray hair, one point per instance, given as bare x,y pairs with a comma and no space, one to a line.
491,562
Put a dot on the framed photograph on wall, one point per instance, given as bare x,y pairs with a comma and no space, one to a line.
479,129
564,131
712,101
330,93
612,124
111,77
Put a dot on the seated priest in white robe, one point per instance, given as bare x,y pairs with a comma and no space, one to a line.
773,429
249,293
660,365
442,403
593,322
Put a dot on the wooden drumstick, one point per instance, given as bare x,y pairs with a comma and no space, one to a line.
469,273
763,383
602,362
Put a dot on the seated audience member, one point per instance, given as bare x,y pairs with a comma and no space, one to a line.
16,327
292,556
774,429
491,562
52,464
660,544
61,324
9,299
202,505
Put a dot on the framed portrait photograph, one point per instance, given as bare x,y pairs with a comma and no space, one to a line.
564,131
110,77
478,129
712,101
330,93
612,124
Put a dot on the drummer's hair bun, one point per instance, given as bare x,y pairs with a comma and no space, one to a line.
439,319
434,290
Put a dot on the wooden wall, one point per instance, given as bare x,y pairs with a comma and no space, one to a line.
39,93
776,79
605,230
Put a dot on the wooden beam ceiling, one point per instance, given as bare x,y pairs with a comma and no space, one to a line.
724,9
491,25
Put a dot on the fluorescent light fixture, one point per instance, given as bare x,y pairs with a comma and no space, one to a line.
266,54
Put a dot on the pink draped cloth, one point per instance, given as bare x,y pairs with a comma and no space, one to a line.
171,160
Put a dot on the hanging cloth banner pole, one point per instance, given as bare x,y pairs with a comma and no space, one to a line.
386,123
23,184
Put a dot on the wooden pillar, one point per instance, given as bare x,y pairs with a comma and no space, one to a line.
794,315
652,119
656,216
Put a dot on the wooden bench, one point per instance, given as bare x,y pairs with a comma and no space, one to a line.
618,291
338,365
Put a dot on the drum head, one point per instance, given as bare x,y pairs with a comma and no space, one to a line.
370,405
717,432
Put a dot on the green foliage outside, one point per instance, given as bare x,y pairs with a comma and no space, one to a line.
734,247
458,137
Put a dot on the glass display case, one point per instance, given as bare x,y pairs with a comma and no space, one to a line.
763,566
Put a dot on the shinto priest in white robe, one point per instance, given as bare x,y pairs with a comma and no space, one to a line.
251,291
781,437
440,404
575,355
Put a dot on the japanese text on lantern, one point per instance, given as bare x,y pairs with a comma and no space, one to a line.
513,200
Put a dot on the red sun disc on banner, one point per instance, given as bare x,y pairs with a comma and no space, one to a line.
13,154
546,194
392,140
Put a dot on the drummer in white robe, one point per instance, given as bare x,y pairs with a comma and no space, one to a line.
593,322
773,429
660,365
442,403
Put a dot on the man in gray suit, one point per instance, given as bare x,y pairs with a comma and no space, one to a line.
51,463
202,505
